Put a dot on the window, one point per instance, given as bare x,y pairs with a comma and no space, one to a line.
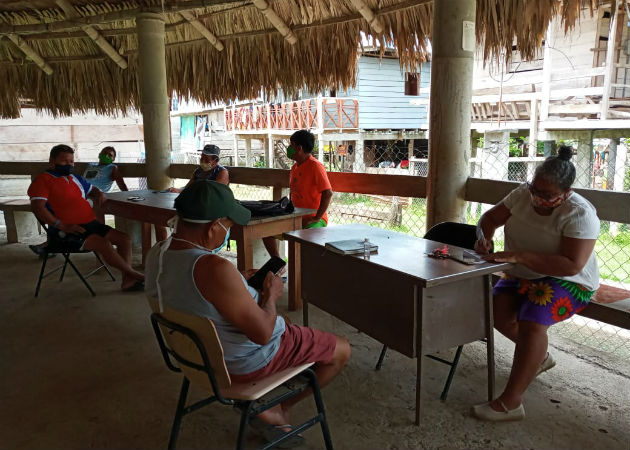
412,83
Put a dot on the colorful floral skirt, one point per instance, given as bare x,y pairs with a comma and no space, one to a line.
545,300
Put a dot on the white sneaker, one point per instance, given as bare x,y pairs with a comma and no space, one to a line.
547,364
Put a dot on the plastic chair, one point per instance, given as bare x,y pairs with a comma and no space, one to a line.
190,344
66,247
460,235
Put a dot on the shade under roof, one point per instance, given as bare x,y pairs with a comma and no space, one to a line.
255,54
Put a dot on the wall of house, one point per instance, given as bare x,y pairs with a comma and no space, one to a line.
380,90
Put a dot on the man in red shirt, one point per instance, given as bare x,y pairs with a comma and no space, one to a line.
59,199
309,185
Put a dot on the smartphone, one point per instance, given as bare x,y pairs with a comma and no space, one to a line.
274,265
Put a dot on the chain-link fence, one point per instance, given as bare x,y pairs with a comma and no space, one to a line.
604,164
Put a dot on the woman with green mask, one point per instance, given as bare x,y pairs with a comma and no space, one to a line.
209,168
105,172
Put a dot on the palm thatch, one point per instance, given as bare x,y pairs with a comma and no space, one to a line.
255,56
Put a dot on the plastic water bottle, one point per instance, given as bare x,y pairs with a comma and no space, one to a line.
366,248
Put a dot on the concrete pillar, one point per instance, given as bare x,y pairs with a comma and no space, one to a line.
453,45
271,155
495,154
154,98
359,156
583,161
248,153
235,145
320,148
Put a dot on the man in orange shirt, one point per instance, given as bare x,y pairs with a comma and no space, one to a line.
309,185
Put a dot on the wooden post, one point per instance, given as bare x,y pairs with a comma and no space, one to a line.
248,152
154,107
235,150
546,78
450,115
610,60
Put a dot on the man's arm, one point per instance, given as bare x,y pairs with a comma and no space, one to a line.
220,283
324,203
43,214
223,177
120,181
97,195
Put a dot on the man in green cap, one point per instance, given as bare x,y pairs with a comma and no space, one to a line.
194,279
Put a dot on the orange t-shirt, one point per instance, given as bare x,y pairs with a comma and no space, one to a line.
307,182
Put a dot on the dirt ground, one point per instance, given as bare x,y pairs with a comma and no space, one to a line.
81,372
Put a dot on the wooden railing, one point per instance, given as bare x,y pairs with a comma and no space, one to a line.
610,205
325,113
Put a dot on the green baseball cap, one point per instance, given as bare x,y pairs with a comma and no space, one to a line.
203,201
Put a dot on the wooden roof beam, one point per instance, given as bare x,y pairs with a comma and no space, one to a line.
200,27
94,34
275,20
31,53
368,15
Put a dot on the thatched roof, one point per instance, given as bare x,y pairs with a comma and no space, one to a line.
254,55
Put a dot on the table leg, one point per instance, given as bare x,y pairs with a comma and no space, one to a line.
146,240
489,335
295,277
305,314
419,353
9,220
245,252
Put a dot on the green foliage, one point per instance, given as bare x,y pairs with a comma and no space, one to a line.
347,198
626,180
261,163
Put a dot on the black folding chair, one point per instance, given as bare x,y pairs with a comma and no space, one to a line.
66,247
190,344
460,235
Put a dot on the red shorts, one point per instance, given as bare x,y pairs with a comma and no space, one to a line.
298,345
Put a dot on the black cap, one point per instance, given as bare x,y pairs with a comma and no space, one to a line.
211,149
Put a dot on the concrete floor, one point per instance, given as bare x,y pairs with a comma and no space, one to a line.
83,372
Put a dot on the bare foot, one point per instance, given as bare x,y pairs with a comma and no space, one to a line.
275,416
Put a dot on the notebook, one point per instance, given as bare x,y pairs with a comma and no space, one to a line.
350,247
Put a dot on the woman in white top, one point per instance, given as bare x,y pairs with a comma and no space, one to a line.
550,234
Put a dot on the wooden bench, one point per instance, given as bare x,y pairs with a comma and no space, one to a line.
10,207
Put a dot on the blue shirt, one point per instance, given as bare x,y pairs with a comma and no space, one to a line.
100,175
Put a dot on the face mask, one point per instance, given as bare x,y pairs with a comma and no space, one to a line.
540,202
105,159
290,151
225,241
63,170
205,166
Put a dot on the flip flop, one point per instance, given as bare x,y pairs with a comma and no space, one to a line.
135,287
272,432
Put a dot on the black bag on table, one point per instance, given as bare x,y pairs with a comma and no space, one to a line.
260,208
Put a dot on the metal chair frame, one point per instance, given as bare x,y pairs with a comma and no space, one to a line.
58,247
249,408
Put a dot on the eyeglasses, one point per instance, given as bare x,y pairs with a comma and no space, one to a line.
542,195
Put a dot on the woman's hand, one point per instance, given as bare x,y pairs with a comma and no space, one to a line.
483,246
503,257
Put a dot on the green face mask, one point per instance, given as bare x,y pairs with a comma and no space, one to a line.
105,159
290,151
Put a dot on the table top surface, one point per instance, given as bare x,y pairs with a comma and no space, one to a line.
165,201
398,252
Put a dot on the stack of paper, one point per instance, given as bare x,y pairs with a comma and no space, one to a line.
350,247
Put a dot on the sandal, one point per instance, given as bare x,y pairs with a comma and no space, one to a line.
272,433
485,412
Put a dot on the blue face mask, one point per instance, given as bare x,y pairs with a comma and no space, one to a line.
225,241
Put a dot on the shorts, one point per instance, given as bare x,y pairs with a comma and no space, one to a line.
321,223
298,345
545,300
75,241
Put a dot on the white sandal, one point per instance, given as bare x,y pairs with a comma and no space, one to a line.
485,412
